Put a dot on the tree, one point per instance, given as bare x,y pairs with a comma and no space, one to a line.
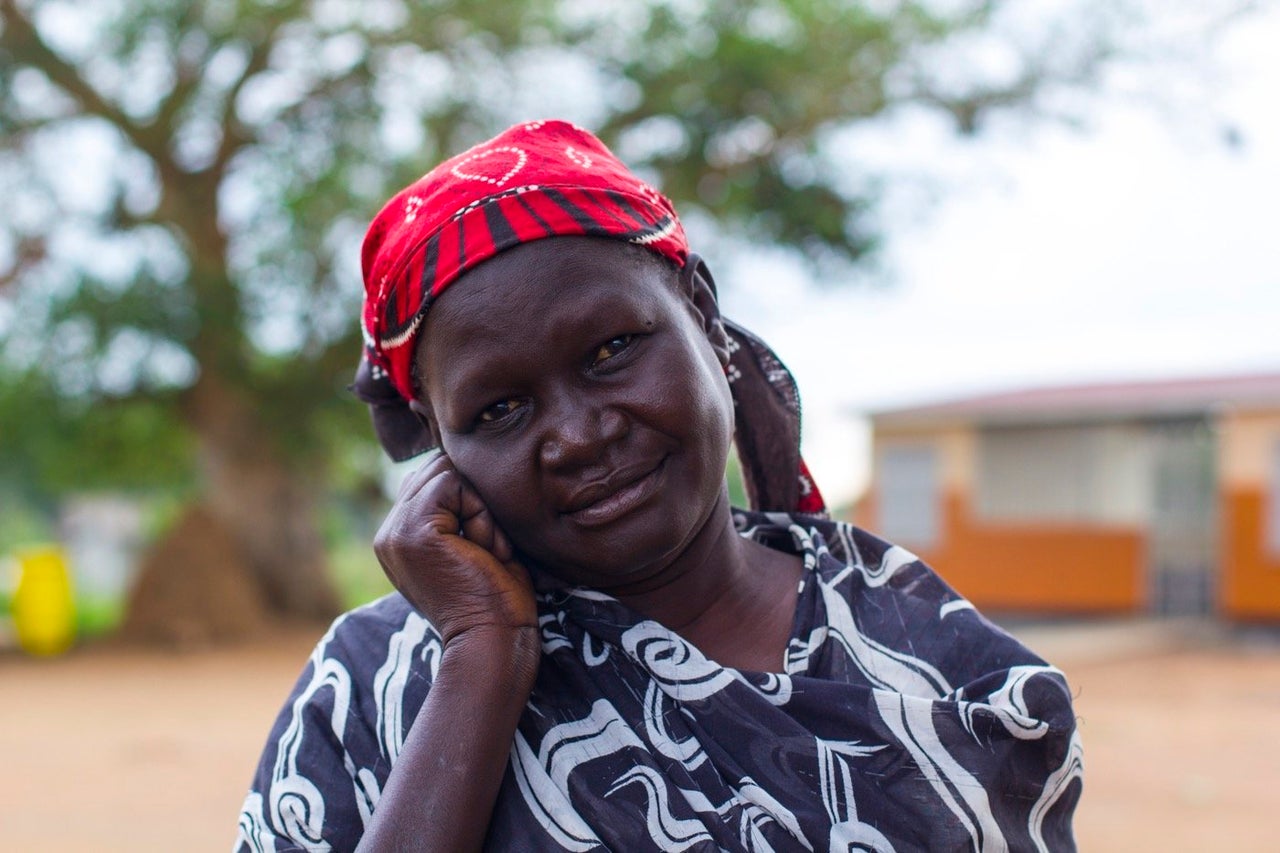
188,182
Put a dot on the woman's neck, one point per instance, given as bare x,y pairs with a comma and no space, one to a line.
731,597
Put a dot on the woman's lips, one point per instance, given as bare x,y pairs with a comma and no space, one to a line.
618,502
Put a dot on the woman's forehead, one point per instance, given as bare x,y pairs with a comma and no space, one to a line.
569,281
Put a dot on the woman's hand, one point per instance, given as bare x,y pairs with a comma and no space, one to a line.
443,551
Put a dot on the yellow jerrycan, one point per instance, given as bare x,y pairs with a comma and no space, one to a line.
44,611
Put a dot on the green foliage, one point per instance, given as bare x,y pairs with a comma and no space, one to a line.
733,476
51,444
98,616
22,523
751,88
356,572
351,517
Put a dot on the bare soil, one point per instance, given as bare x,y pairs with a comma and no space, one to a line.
113,748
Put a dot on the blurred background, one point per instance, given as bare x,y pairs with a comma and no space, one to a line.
1018,254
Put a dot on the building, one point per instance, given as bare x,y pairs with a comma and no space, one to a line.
1148,497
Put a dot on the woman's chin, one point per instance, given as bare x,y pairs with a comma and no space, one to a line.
625,559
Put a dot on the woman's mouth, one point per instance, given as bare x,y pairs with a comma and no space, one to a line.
603,504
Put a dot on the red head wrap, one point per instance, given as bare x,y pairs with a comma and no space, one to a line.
535,180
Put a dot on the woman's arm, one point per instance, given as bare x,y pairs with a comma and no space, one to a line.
442,550
442,789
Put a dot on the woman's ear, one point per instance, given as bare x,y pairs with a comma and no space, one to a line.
428,420
699,288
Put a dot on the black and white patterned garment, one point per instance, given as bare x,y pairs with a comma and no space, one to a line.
903,721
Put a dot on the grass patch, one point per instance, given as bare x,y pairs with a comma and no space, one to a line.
356,573
98,615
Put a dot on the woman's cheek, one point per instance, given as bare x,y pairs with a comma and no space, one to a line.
468,460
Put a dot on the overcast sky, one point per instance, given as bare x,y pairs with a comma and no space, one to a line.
1145,246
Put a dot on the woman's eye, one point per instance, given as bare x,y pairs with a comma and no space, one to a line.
500,410
612,347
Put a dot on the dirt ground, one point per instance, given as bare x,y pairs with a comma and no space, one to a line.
114,749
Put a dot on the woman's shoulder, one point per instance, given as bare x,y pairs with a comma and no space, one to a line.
328,752
829,546
878,599
370,671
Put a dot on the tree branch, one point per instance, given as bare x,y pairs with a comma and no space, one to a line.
187,84
30,250
233,135
25,44
16,130
187,76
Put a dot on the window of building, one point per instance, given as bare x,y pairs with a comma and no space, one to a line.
910,511
1071,474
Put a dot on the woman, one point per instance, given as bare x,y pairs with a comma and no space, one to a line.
589,648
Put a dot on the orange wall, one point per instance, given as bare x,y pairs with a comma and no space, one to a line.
1250,576
1065,568
1250,586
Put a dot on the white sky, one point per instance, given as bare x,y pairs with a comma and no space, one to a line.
1142,247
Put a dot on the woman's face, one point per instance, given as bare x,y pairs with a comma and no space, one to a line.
581,391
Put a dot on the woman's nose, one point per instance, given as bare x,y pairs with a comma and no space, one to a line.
579,434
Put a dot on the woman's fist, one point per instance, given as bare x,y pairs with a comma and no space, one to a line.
443,551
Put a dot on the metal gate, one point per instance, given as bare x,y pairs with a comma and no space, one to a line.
1183,556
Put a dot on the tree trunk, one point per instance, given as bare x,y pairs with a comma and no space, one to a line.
267,501
194,588
264,505
271,512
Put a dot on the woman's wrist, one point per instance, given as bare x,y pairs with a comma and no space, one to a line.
509,656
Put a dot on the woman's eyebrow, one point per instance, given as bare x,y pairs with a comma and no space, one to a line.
470,385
